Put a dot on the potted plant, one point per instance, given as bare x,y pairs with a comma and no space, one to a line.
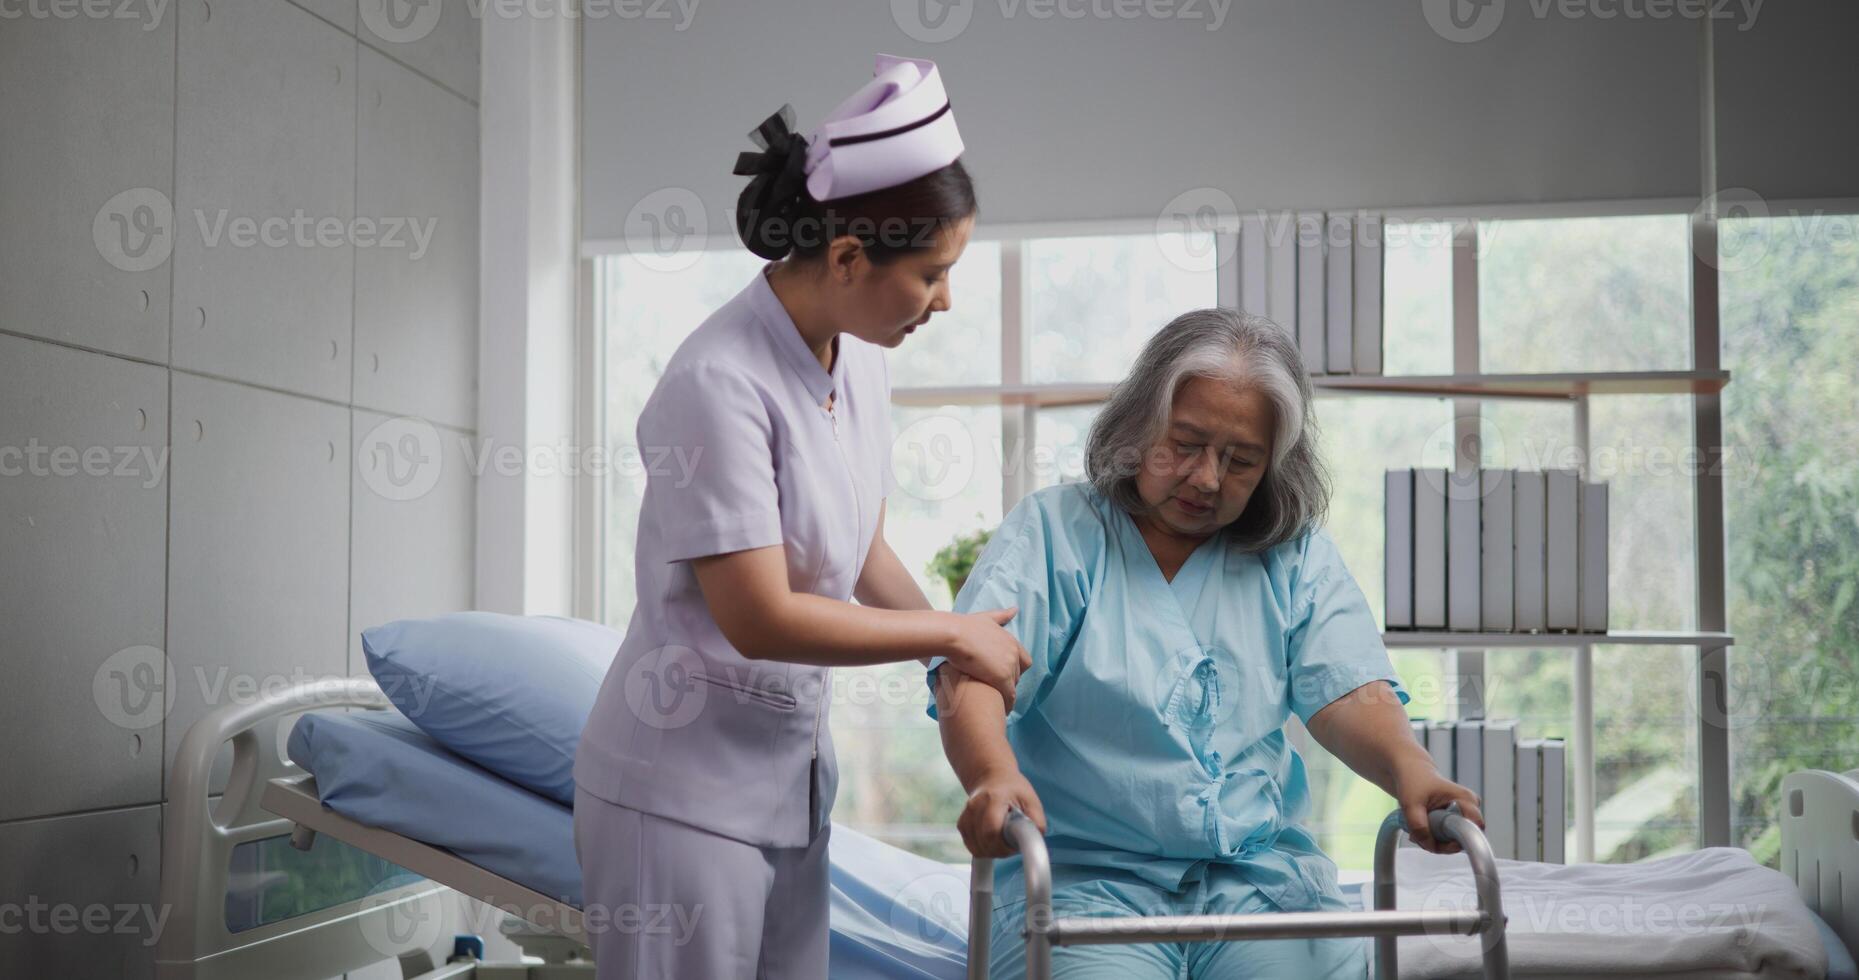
957,558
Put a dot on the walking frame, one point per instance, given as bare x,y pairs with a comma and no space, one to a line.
1384,922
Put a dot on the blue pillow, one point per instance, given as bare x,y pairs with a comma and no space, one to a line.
510,693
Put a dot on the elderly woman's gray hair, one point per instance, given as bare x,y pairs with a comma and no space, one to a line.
1242,350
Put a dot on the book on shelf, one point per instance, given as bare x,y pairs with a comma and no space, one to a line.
1530,525
1529,829
1554,770
1468,754
1593,549
1562,491
1367,343
1439,745
1253,249
1339,293
1398,551
1310,295
1463,541
1430,548
1281,231
1500,785
1496,563
1227,249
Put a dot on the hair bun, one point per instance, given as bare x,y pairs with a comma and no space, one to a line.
767,207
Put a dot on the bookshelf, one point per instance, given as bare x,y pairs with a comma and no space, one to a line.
1450,640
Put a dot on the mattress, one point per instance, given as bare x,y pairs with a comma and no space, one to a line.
895,915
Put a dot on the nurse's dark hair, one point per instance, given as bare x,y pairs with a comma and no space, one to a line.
890,222
1242,350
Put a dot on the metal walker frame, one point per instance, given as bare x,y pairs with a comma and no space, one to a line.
1384,922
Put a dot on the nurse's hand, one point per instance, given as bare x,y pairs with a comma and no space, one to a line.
1424,791
984,651
985,817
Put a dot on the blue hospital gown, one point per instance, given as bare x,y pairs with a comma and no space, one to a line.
1151,726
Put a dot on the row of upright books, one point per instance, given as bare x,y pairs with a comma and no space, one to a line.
1522,783
1316,274
1496,551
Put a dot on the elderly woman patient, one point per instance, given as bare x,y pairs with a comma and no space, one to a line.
1178,607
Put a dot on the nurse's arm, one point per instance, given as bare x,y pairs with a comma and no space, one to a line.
1368,730
974,737
885,583
749,597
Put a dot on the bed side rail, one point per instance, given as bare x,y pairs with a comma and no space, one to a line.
198,838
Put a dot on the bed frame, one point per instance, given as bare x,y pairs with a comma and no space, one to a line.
1820,846
269,797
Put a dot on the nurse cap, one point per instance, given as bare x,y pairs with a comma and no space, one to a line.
894,129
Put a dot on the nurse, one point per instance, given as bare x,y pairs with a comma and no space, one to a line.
1179,607
705,776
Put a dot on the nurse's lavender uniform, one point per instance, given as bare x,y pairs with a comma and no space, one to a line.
705,780
1151,726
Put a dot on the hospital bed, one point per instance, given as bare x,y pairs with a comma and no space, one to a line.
268,800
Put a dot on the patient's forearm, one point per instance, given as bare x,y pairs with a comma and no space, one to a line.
1368,730
974,727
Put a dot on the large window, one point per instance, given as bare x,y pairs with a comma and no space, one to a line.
1554,295
1790,301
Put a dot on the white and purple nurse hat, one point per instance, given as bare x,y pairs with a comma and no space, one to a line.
894,129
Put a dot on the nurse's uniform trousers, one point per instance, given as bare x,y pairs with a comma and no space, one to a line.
667,901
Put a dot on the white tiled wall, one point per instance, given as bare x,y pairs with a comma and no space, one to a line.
225,530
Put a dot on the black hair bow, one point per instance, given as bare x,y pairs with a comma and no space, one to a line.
778,179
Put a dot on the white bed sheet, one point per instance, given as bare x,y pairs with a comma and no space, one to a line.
1712,914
